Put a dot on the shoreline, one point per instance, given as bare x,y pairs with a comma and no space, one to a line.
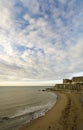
58,106
66,114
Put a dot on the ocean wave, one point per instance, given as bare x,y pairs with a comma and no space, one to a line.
26,115
34,109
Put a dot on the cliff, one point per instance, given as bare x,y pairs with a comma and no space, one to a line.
76,83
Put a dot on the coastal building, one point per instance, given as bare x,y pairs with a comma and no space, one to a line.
77,79
67,81
76,83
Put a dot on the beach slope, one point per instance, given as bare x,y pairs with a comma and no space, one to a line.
67,114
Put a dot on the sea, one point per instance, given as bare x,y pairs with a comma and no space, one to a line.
22,104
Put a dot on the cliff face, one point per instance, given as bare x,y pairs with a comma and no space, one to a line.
69,86
67,81
77,79
73,80
76,83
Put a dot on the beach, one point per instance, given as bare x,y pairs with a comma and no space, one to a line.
67,114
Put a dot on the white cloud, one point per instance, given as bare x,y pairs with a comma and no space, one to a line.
62,1
51,44
33,6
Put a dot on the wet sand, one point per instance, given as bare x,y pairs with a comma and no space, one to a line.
67,114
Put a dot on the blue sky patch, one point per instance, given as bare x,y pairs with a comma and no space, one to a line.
21,48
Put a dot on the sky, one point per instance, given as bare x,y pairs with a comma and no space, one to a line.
40,40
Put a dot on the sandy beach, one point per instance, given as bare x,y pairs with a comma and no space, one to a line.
67,114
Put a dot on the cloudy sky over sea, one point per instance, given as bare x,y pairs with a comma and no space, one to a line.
40,39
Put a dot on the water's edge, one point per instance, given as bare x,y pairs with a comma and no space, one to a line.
43,112
16,122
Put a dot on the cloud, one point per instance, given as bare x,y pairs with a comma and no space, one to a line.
40,39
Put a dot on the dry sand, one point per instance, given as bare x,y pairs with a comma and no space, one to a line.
67,114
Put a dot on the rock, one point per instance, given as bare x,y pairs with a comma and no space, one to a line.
5,118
